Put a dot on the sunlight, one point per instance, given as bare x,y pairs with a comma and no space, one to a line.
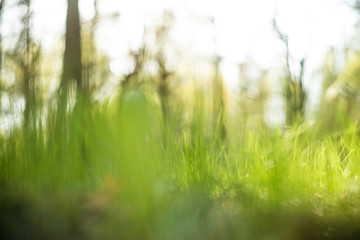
243,28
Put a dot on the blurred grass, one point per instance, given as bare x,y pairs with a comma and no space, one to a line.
117,171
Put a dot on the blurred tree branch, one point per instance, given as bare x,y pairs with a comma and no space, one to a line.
294,91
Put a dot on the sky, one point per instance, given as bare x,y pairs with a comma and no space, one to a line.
243,27
241,30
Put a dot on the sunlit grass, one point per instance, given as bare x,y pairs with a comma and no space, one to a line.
118,171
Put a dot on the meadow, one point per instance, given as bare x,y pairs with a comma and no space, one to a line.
150,142
117,171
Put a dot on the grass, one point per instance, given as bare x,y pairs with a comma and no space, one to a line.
116,171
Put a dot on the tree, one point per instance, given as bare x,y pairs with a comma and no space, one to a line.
95,64
1,50
89,55
219,100
32,53
164,74
140,56
72,79
294,91
72,69
72,65
26,57
218,91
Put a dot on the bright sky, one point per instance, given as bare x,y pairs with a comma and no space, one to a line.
243,29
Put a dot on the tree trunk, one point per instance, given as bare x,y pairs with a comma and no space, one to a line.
72,67
1,50
219,101
28,74
294,91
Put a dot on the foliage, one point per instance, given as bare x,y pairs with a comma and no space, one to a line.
148,165
117,171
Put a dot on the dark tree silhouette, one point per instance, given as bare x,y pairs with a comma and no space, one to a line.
2,2
219,100
132,78
72,69
218,92
1,49
164,74
72,66
26,56
29,64
294,91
